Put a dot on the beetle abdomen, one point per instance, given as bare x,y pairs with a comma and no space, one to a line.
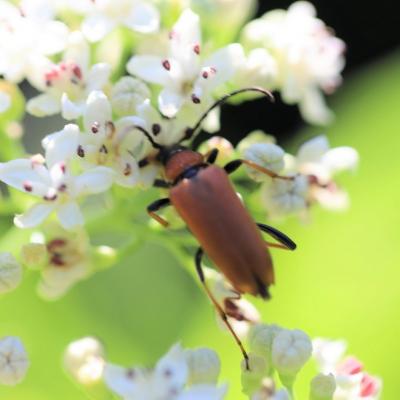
226,232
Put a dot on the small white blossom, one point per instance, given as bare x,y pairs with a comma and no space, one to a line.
10,272
102,16
67,84
13,361
260,340
285,197
84,360
309,57
127,94
184,76
291,349
27,38
267,155
252,377
204,366
322,387
57,188
327,353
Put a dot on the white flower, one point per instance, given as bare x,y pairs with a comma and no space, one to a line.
165,382
107,144
267,155
128,94
57,188
27,38
322,387
5,101
13,361
68,261
309,57
10,272
290,351
183,75
284,197
84,360
67,84
260,340
204,366
327,353
102,16
320,163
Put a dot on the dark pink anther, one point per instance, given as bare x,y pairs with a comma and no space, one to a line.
50,198
95,127
204,74
27,186
57,260
62,188
369,386
196,49
76,70
166,64
195,99
128,169
55,244
80,151
63,168
350,366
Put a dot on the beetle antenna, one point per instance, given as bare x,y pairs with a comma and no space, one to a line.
148,136
191,131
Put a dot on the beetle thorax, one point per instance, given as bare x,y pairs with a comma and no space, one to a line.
180,162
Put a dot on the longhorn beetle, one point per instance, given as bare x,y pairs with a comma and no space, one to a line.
206,200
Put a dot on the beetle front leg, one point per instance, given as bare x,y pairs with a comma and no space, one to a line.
158,205
211,156
286,242
232,166
220,310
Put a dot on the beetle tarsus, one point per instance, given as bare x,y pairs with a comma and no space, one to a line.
158,205
211,156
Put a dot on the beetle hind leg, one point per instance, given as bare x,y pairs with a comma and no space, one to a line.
284,241
220,310
158,205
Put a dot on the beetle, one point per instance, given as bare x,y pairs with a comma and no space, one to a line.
205,199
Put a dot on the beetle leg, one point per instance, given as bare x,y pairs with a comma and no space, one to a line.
160,183
235,164
211,156
158,205
220,310
286,242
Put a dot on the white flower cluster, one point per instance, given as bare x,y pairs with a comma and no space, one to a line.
180,374
313,170
352,383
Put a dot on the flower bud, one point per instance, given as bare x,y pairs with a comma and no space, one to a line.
267,155
322,387
84,360
33,254
10,272
252,377
127,94
290,351
204,366
13,361
261,337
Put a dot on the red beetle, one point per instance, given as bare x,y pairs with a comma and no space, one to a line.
205,199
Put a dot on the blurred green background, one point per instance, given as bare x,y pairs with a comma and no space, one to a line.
342,282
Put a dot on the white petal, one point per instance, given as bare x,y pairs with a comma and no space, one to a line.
202,392
340,159
127,171
78,50
5,101
314,109
119,380
172,369
52,38
149,68
98,76
226,61
96,180
313,150
96,26
34,216
169,102
98,111
17,173
43,105
337,200
70,215
70,110
61,146
143,18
